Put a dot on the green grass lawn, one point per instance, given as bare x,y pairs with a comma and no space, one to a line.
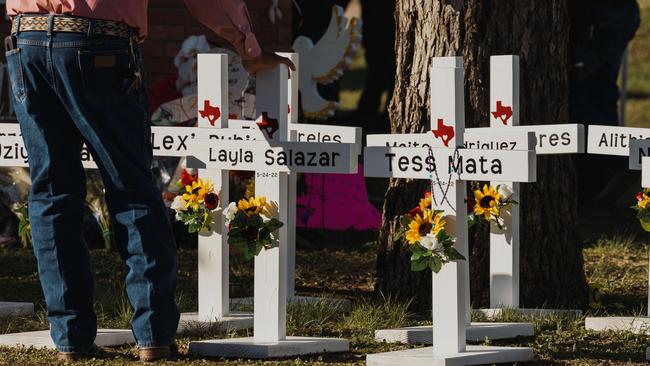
616,265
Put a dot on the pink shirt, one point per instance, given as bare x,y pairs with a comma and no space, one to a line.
228,18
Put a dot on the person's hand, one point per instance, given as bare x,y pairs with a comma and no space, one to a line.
266,61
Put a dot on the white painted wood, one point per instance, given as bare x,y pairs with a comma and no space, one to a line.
327,133
270,300
492,314
637,325
638,150
419,163
504,244
450,300
302,157
451,285
547,139
42,339
181,141
475,138
473,355
213,249
293,85
610,140
556,139
272,181
645,173
252,348
233,321
475,332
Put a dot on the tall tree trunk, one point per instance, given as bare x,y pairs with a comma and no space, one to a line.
537,30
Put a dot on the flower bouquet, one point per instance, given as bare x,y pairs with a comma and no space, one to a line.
642,208
493,205
194,207
251,225
424,230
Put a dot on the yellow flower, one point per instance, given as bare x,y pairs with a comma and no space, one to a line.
252,206
420,226
643,198
195,193
425,203
487,202
206,188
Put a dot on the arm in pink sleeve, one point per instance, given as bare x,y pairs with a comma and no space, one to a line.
230,20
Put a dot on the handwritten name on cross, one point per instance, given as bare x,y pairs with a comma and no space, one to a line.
272,159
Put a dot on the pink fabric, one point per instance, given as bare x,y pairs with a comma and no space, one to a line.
228,18
337,202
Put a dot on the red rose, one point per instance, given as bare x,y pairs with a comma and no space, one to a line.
211,201
639,196
187,178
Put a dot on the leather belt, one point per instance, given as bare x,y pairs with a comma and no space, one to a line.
63,23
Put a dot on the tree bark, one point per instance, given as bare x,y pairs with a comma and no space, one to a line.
537,30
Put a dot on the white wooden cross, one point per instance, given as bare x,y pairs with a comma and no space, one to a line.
640,159
273,159
550,139
449,167
635,144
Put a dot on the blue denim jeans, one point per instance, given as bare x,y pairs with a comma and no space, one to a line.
72,89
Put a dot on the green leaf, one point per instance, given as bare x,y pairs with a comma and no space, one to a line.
453,254
418,266
273,225
435,264
405,220
255,221
416,256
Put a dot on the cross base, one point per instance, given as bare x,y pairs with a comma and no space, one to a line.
473,355
529,313
234,321
16,308
42,339
249,348
341,305
638,325
477,332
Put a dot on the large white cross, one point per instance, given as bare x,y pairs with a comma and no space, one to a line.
273,159
448,165
550,139
635,144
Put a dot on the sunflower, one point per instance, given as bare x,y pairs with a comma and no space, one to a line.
252,206
487,202
425,203
423,225
194,194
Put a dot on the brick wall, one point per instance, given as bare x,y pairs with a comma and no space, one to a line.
170,23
